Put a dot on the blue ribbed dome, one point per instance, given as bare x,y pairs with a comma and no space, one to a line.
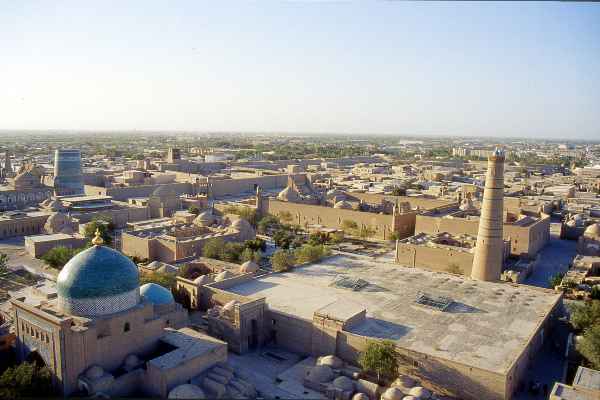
156,294
97,272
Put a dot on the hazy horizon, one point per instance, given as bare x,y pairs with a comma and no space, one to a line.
512,70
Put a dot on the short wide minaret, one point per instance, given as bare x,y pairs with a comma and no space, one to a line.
489,251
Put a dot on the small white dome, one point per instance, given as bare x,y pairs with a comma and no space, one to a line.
223,275
344,383
249,267
320,374
330,361
393,393
94,372
420,392
360,396
186,391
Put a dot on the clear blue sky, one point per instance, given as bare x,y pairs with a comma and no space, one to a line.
508,69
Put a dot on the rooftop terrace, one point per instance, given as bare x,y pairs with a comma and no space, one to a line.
484,324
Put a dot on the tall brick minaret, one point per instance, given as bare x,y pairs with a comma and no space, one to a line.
489,259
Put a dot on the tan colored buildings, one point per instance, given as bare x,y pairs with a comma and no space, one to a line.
527,235
38,245
168,240
17,223
471,339
586,386
26,189
100,333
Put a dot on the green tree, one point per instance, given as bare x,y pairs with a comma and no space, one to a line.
595,293
399,191
286,216
3,263
584,316
26,380
194,210
283,238
282,260
555,280
160,278
380,358
250,255
310,253
101,225
267,223
213,247
256,244
59,256
231,252
318,238
589,345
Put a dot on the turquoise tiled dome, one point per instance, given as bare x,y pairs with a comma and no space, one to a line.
156,294
98,281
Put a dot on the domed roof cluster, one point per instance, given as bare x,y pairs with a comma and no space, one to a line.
246,231
98,281
156,294
205,218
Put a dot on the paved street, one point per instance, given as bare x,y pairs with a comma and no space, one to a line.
554,258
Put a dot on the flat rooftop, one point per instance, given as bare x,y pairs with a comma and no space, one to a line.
486,325
48,238
189,344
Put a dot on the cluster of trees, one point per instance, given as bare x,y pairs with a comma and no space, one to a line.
585,318
26,380
285,259
233,252
60,255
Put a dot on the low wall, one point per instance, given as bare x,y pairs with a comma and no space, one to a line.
434,258
445,376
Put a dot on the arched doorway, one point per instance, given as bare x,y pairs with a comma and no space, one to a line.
34,357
